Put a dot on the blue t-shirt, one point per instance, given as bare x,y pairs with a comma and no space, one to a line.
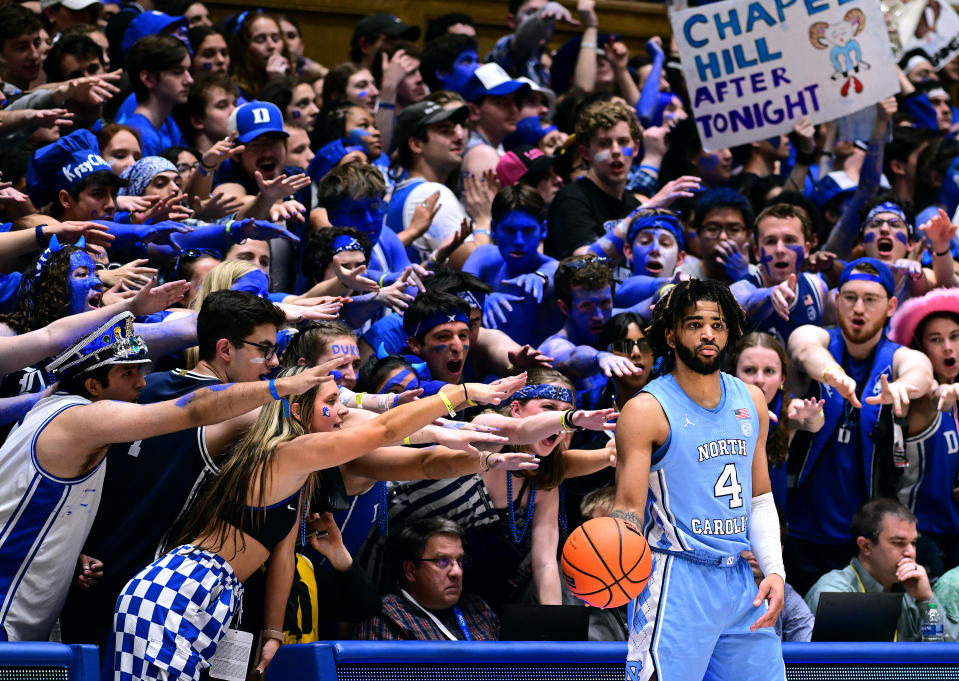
152,140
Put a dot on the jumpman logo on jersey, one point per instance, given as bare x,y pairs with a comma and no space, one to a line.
688,422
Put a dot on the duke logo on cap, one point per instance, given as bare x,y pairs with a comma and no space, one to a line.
254,119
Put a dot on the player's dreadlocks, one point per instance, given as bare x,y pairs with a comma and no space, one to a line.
672,307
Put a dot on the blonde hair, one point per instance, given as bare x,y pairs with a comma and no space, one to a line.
220,278
220,513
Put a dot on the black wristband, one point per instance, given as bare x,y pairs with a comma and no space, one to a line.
41,239
948,251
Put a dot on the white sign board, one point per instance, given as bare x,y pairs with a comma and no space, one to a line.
931,25
753,68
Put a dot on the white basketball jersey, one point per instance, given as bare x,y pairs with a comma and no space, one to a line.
45,521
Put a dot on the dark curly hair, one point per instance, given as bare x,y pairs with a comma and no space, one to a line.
42,301
589,271
671,308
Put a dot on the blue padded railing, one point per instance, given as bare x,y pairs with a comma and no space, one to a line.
587,661
48,662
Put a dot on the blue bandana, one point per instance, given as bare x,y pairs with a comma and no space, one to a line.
345,242
113,343
437,319
474,299
141,174
884,278
887,207
543,391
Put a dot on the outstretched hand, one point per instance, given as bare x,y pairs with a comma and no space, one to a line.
895,393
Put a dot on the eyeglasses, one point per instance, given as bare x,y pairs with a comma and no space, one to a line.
894,223
870,300
626,346
269,349
183,167
714,229
447,563
192,254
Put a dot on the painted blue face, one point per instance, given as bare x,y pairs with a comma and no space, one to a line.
83,279
590,310
463,68
518,235
364,214
655,253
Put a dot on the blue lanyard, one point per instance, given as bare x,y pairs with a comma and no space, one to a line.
462,622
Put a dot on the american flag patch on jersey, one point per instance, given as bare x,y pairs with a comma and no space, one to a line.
741,413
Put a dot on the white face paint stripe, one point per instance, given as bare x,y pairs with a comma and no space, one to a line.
601,156
257,360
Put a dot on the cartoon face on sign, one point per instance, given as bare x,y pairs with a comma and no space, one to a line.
844,50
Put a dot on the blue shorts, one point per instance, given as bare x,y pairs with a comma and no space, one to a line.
692,622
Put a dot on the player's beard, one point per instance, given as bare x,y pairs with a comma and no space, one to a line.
696,363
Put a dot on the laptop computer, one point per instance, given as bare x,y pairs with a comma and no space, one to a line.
857,617
544,623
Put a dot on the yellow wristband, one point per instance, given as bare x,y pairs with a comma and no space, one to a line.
406,440
359,400
449,405
828,369
380,282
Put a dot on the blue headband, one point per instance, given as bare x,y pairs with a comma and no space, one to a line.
474,299
437,319
667,222
398,381
887,207
345,242
543,391
255,282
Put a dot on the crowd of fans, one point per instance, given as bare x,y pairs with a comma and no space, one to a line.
405,297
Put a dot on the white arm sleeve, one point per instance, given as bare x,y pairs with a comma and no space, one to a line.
763,533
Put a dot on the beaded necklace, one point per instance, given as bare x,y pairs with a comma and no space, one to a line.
517,535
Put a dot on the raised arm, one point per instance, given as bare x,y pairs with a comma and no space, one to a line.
105,422
323,450
27,349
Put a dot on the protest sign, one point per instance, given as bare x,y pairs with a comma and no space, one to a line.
754,67
932,26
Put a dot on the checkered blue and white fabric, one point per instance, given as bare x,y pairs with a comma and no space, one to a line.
171,616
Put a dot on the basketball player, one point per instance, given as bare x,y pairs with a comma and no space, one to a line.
693,441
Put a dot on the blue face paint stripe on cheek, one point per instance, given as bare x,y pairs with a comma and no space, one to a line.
869,237
800,252
628,152
438,348
765,259
901,236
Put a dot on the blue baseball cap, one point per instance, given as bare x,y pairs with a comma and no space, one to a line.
529,131
884,277
153,23
63,164
491,79
254,119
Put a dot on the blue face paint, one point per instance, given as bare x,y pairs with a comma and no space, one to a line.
649,241
326,412
628,152
364,214
295,113
399,381
590,311
518,235
800,252
463,67
79,285
765,260
868,237
901,236
337,375
437,348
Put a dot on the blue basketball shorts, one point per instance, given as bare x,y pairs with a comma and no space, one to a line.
692,622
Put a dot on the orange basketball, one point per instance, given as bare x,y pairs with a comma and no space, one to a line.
606,562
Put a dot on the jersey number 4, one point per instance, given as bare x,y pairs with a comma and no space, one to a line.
728,486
